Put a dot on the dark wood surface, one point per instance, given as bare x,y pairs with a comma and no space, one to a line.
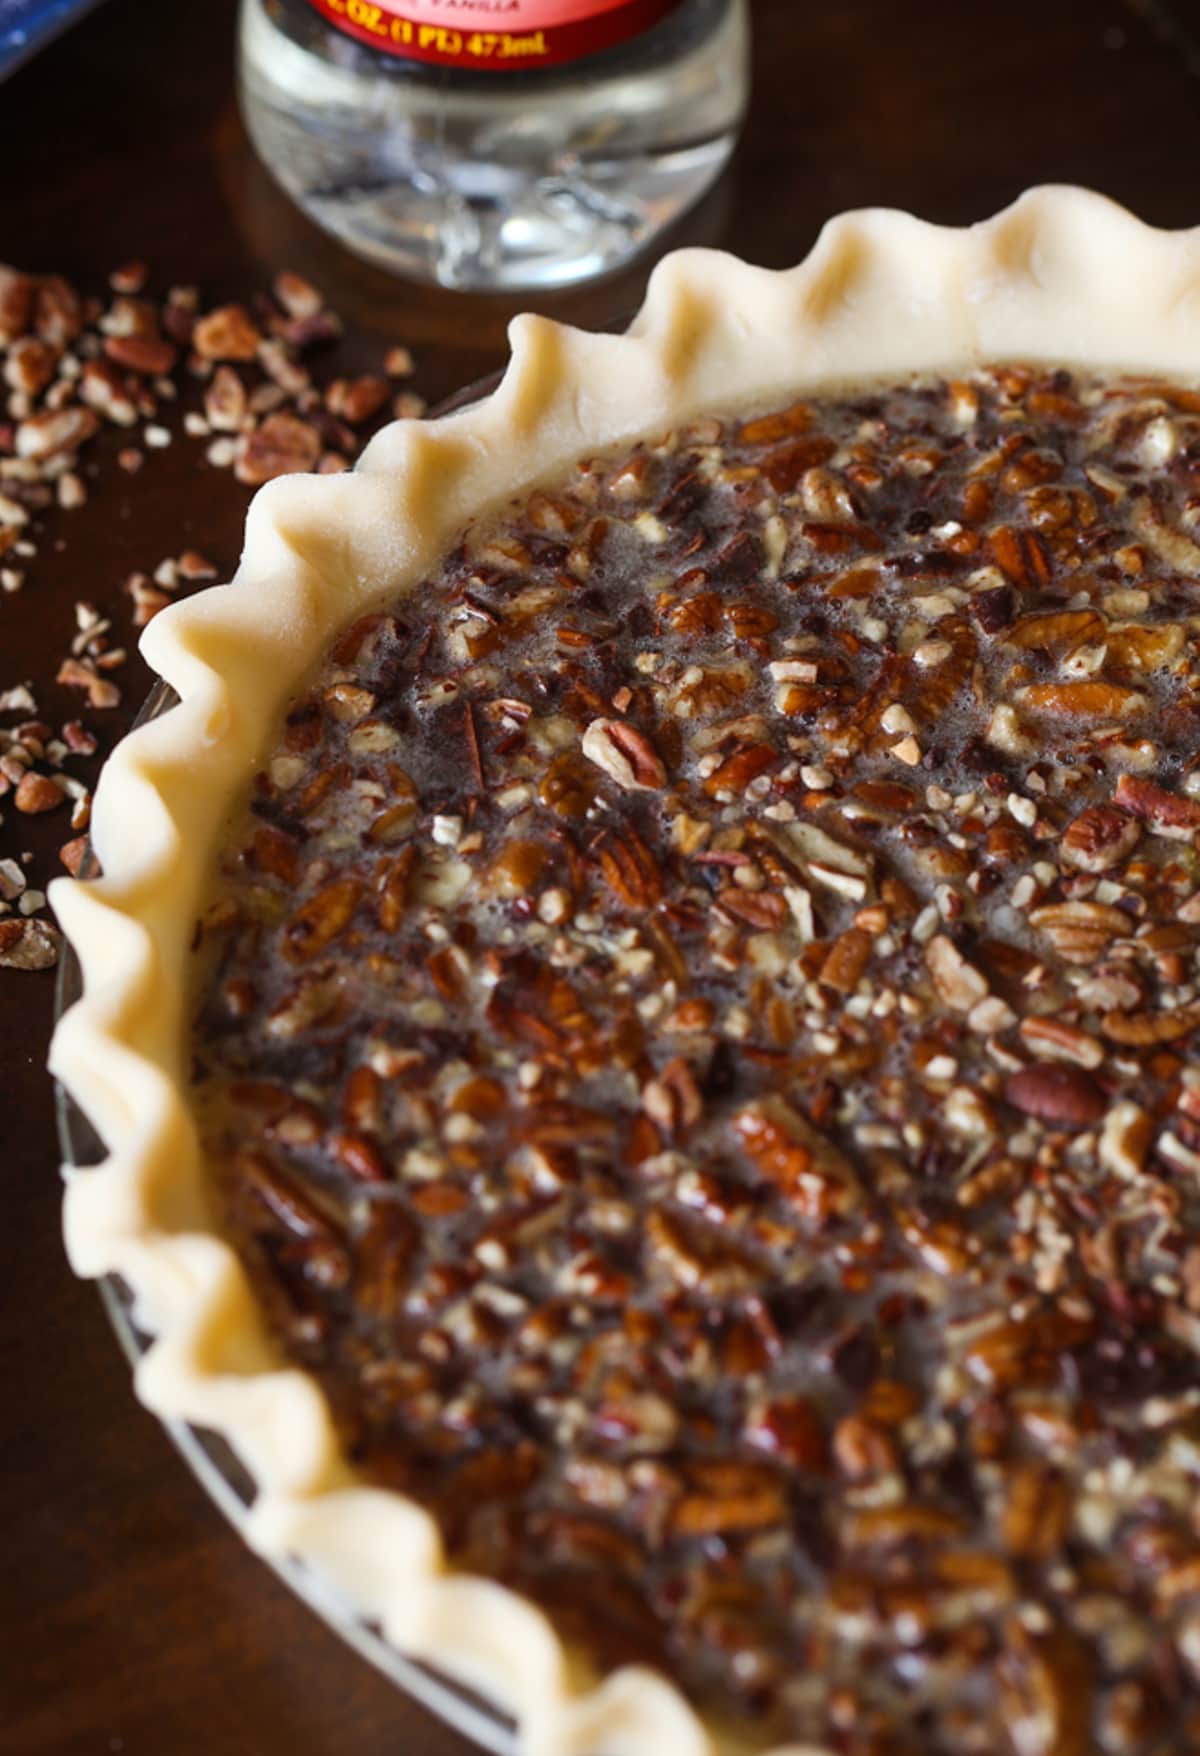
131,1620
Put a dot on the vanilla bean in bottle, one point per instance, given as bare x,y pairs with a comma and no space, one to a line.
492,144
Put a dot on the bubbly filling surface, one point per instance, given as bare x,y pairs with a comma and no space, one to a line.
698,1050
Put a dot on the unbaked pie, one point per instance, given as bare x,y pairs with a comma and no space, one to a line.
663,1121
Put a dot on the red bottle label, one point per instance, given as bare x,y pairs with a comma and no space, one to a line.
493,36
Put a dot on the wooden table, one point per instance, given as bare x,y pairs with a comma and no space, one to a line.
131,1619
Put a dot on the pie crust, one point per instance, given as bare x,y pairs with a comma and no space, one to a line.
1062,276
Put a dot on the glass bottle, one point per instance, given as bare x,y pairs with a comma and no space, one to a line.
495,144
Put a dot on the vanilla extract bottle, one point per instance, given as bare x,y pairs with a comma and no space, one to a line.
495,144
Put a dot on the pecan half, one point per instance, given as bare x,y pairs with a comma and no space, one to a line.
1080,931
1066,1096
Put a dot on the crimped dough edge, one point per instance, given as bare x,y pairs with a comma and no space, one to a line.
1062,276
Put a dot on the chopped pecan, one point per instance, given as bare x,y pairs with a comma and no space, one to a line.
729,1498
801,1161
225,401
282,1197
1055,629
1050,1692
1021,556
1167,813
862,1448
771,429
1099,838
848,958
30,365
758,908
1036,1512
959,984
58,313
1093,700
629,868
1125,1139
889,1526
357,399
673,1099
319,921
1141,1030
625,755
738,770
790,1429
694,1259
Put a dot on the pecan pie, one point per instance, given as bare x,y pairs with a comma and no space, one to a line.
693,1040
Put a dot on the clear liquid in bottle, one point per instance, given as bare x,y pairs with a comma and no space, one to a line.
502,160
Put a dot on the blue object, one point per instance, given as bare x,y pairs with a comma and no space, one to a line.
28,25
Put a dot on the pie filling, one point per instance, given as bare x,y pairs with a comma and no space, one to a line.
696,1047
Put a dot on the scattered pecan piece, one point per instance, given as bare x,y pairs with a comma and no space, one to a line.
282,446
37,793
44,435
357,399
298,296
227,333
28,944
142,353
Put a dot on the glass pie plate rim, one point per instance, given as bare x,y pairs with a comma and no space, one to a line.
211,1460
